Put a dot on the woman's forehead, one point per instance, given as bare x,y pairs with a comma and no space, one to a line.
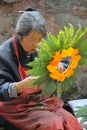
35,34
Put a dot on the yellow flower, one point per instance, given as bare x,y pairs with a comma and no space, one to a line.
69,72
75,52
56,74
70,51
58,56
64,53
75,61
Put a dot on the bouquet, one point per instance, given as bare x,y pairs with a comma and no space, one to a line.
68,48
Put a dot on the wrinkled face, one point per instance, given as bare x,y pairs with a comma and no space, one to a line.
31,41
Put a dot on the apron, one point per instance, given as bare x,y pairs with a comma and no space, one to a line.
20,68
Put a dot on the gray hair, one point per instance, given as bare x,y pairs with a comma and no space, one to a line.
29,21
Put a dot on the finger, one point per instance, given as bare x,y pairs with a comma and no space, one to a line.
32,78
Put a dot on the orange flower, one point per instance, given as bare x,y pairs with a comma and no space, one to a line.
54,62
75,52
70,51
58,56
74,62
64,53
51,68
69,72
55,74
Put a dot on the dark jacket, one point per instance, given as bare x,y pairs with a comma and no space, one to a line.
9,65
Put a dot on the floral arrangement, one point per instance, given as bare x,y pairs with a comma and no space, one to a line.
68,48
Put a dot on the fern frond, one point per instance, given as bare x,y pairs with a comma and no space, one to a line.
69,33
79,35
76,36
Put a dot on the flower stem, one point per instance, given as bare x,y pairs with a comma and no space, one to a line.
59,90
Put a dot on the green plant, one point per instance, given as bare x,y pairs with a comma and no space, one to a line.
81,112
68,45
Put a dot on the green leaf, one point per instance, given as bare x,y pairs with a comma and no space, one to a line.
49,87
81,112
69,32
83,61
60,40
83,48
76,36
80,38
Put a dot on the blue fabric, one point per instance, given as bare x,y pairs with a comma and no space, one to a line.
4,90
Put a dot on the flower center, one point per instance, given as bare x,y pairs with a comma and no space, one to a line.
63,64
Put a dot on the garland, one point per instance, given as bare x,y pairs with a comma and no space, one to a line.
70,48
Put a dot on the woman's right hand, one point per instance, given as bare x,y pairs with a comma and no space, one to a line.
25,84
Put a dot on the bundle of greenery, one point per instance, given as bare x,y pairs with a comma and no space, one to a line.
69,48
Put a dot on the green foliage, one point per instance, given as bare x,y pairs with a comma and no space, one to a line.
83,48
69,32
79,37
76,36
47,49
81,112
83,61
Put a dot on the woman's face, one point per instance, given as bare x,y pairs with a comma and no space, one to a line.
30,42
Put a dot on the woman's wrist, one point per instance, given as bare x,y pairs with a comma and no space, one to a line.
19,86
12,91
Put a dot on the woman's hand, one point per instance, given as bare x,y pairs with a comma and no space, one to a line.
25,84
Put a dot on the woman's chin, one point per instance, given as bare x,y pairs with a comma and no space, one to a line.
32,51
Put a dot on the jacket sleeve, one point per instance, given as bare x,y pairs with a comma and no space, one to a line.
8,71
5,79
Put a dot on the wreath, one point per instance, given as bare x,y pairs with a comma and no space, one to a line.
68,47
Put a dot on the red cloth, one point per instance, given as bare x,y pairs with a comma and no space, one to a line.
31,111
20,68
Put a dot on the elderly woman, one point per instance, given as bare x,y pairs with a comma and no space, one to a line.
22,103
17,51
